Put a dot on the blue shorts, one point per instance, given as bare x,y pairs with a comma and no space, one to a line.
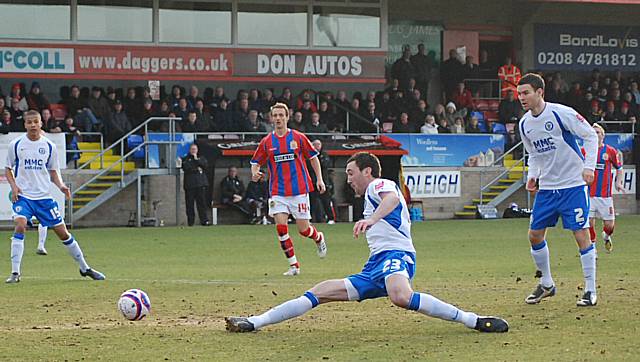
572,204
370,282
45,210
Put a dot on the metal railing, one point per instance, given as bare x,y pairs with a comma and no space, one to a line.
123,156
90,134
489,88
519,162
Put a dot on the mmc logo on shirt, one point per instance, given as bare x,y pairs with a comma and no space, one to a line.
544,144
33,164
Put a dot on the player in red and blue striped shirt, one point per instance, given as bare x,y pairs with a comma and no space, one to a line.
600,189
285,152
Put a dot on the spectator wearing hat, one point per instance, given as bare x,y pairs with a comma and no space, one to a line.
595,113
16,93
35,99
451,112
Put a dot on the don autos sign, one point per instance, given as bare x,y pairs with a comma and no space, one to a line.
170,63
584,47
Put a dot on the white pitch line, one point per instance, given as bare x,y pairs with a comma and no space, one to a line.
179,281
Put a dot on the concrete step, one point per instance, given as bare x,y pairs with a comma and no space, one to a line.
494,194
109,178
128,166
82,199
498,187
100,185
106,158
470,207
465,215
89,192
485,200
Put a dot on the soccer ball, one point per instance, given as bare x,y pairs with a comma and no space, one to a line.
134,304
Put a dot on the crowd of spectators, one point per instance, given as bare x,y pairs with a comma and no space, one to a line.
400,107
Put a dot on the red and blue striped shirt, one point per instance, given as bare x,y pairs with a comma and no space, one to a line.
603,175
286,160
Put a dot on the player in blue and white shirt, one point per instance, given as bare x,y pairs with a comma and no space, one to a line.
31,166
558,168
390,268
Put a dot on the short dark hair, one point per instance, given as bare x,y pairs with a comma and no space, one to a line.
534,80
364,160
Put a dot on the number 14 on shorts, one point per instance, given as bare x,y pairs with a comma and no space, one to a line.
303,207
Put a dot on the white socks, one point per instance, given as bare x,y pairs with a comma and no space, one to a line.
540,254
42,236
434,307
287,310
17,249
588,260
76,253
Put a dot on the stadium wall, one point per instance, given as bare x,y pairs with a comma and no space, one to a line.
116,211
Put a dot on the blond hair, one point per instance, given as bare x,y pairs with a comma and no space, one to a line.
32,113
595,125
280,105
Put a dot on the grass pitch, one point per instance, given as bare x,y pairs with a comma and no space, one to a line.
196,276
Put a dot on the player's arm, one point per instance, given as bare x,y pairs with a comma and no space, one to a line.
317,168
581,128
15,190
534,169
10,161
616,161
259,158
390,201
54,175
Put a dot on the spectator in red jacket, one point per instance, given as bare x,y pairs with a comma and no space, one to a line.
462,97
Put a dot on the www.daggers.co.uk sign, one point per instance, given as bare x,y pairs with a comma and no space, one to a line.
85,61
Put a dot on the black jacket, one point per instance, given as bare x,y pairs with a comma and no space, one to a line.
195,172
231,186
257,191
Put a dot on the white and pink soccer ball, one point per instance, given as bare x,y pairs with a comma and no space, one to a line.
134,304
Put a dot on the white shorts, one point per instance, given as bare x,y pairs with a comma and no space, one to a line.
298,206
602,208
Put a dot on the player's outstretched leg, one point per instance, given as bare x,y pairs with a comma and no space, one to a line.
17,249
42,238
287,310
309,231
546,288
287,247
327,291
401,294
